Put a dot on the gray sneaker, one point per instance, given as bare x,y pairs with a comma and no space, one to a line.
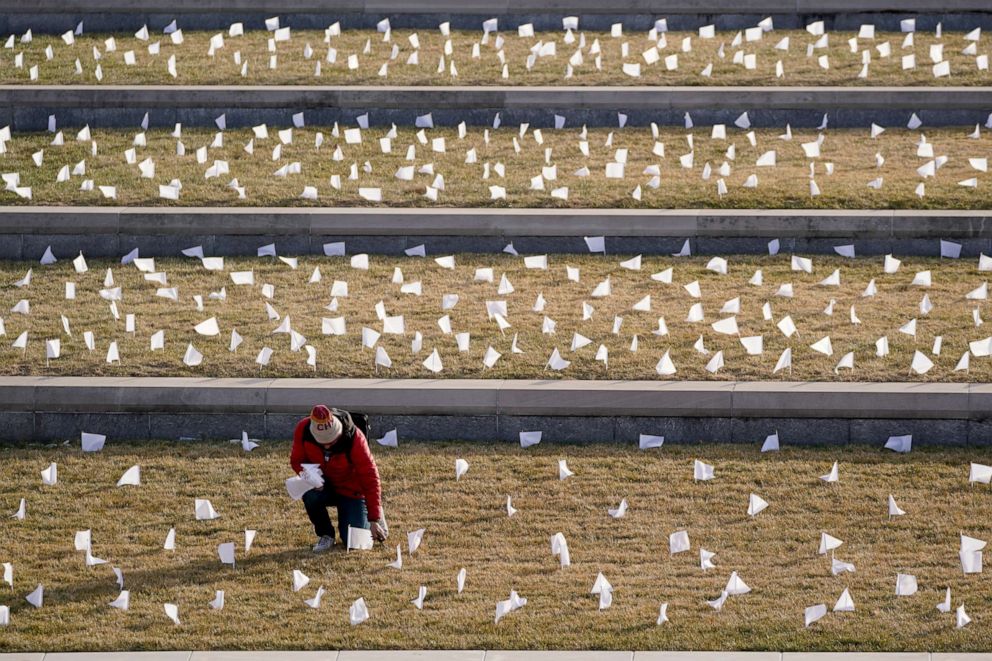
323,544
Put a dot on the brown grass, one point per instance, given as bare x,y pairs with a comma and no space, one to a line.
342,356
195,67
785,186
467,526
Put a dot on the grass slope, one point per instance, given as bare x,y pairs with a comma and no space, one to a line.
467,526
306,304
194,66
512,162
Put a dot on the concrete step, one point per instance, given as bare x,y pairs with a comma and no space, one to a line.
27,107
25,232
56,408
100,15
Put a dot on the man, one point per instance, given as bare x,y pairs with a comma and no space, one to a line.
330,439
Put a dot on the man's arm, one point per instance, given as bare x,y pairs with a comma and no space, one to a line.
296,455
368,475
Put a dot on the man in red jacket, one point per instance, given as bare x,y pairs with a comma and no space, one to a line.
329,440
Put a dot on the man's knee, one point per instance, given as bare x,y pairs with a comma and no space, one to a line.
313,498
352,512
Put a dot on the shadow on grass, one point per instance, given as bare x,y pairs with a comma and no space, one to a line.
195,574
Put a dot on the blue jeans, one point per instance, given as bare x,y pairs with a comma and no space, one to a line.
351,512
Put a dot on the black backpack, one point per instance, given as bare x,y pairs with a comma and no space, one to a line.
363,422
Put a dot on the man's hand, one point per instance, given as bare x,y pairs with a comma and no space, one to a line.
303,476
379,533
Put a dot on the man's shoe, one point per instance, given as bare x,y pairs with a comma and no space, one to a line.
324,544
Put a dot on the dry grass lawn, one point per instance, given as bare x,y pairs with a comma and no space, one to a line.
195,67
852,152
467,526
896,303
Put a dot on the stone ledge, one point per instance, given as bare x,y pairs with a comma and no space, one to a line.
500,7
374,221
423,98
856,400
707,656
481,397
493,655
386,396
856,656
57,16
598,398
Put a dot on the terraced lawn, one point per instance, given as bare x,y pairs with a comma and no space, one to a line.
466,526
706,167
337,318
426,57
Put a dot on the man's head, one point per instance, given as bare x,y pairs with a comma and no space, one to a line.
324,426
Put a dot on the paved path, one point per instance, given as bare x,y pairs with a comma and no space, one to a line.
492,655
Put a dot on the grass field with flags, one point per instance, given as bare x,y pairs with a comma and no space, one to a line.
774,553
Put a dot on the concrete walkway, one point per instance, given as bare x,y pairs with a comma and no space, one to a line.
492,655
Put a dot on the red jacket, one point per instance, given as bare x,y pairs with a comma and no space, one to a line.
357,478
